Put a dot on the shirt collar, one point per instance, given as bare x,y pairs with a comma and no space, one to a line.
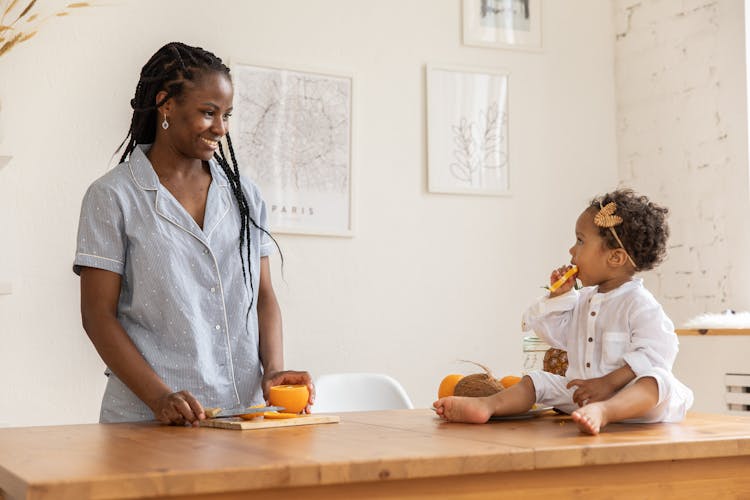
622,289
145,176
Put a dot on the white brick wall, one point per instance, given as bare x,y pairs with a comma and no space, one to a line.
682,139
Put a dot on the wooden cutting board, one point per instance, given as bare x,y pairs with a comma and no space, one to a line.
265,423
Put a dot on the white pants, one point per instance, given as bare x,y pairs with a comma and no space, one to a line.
675,399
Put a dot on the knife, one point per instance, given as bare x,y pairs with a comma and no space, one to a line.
236,412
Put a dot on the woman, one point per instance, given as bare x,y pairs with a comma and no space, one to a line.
176,290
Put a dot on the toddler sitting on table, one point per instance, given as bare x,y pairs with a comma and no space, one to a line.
621,345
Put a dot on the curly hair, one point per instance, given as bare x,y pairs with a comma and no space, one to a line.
644,230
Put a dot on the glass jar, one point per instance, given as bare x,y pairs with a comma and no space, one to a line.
534,349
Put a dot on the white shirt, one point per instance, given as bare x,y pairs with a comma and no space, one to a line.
183,300
603,331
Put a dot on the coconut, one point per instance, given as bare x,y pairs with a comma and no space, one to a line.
478,384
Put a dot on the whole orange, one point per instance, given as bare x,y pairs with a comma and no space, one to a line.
509,380
448,385
293,398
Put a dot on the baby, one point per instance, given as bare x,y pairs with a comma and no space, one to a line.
620,343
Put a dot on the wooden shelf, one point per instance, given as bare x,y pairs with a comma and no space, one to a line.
713,332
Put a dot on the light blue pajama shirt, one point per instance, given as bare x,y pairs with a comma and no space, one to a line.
183,301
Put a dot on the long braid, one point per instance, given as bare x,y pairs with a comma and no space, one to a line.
233,174
168,70
236,185
237,173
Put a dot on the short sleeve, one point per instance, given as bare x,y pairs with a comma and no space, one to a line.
101,239
259,213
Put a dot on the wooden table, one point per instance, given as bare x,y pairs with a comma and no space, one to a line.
401,453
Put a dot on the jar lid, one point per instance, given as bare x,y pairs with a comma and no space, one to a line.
532,342
533,339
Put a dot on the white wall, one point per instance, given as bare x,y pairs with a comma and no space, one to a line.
427,279
681,96
682,136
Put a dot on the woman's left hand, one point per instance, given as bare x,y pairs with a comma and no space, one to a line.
289,377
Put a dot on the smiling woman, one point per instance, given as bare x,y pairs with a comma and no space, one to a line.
180,317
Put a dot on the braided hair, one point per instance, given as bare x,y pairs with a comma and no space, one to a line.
168,70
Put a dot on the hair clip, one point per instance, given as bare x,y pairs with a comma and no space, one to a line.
606,218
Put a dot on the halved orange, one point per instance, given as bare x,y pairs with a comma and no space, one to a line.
293,398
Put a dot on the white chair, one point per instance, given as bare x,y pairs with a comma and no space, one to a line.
340,392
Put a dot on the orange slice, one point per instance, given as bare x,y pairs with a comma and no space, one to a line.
565,277
279,415
250,416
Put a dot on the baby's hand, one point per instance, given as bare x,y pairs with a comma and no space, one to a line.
561,280
590,390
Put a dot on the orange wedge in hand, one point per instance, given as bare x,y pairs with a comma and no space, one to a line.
565,277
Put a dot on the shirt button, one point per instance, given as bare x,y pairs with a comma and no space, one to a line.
588,365
218,327
213,289
591,339
593,313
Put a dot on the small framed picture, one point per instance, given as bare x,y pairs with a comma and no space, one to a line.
292,132
510,24
467,131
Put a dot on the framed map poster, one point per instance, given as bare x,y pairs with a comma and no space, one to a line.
292,133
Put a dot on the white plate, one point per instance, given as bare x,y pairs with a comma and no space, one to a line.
522,416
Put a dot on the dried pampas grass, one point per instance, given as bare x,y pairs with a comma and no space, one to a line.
18,23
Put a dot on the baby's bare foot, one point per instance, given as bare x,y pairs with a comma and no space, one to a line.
591,418
462,409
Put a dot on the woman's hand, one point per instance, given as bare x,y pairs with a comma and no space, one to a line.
289,377
178,408
100,294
